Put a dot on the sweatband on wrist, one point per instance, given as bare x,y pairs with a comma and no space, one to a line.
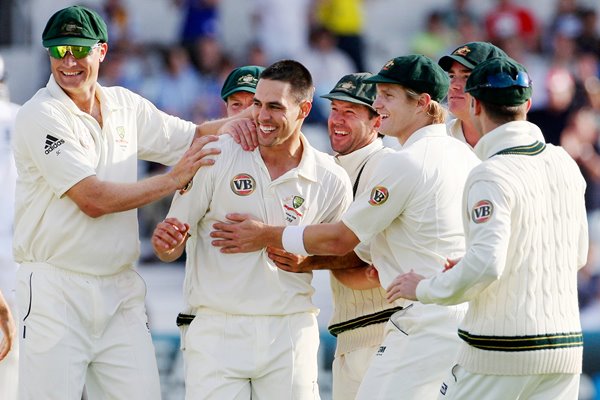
293,240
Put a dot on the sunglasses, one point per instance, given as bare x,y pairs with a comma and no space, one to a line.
78,52
504,80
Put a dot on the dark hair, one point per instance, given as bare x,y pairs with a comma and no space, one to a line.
295,74
502,114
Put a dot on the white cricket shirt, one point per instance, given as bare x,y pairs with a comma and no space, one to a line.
316,191
56,145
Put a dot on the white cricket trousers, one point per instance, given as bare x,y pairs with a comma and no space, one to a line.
461,384
348,372
243,357
419,347
78,329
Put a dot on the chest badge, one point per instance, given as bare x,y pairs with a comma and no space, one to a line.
243,184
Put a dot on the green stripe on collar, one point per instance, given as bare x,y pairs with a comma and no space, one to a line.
530,150
523,343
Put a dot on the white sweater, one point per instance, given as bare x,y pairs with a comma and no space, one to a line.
526,229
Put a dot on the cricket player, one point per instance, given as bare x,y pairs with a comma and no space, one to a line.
410,216
525,220
360,307
458,65
76,147
239,88
9,367
254,333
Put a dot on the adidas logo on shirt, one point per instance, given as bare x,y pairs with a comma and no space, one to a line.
52,143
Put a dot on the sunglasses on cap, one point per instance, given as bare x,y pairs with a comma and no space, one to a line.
78,52
504,80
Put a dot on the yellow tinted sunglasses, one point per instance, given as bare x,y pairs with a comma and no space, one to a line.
78,52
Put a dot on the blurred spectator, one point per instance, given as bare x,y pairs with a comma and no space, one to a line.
588,40
344,18
178,84
121,25
326,64
199,19
553,117
458,14
565,20
509,19
436,39
281,27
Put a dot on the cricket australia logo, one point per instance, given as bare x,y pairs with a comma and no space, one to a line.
243,185
482,211
52,143
293,208
379,195
463,51
348,86
388,65
248,79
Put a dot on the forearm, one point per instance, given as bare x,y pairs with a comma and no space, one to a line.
329,239
356,278
97,198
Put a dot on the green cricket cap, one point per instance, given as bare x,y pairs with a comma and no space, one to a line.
75,25
500,81
471,54
416,72
354,89
242,79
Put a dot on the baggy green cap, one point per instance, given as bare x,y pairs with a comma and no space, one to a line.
500,81
354,89
75,25
471,54
416,72
242,79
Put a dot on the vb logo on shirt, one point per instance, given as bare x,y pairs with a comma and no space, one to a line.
482,211
379,195
243,184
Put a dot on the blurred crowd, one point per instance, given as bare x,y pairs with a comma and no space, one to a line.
561,53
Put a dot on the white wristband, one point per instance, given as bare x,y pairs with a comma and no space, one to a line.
293,240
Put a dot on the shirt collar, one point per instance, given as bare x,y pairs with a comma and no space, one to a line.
58,93
511,134
352,161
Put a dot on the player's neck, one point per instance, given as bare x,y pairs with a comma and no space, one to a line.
281,158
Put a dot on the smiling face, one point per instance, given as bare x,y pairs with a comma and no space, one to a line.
277,113
351,126
458,100
396,109
77,77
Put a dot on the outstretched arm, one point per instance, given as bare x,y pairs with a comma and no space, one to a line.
242,234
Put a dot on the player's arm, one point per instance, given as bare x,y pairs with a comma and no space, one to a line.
7,327
97,198
295,263
358,278
242,234
169,238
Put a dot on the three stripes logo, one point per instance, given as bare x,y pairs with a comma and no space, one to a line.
52,143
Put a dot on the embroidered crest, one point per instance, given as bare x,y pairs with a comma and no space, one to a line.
463,51
121,140
379,195
347,85
70,28
388,65
297,201
243,184
482,211
247,79
294,208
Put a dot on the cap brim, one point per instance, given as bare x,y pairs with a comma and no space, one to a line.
381,79
69,40
346,97
446,62
224,96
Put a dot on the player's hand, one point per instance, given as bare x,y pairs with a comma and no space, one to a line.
288,261
241,233
194,158
450,263
169,235
243,132
404,286
7,327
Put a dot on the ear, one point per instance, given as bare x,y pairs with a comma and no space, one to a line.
377,122
305,108
103,51
475,106
528,105
424,100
